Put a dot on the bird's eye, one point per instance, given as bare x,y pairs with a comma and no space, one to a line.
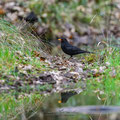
59,39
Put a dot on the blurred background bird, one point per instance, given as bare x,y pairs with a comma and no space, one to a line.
31,17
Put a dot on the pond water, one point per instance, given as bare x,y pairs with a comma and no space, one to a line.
73,106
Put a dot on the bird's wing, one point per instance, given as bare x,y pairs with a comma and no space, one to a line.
72,48
75,50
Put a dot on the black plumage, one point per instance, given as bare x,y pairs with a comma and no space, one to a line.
31,17
66,95
69,49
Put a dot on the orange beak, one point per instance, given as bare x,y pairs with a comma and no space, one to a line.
59,101
59,39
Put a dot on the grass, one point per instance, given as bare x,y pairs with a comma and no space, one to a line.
17,51
12,108
72,12
17,48
106,84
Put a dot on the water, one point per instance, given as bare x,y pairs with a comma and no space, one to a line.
73,106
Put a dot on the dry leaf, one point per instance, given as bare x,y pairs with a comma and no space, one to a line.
42,58
2,12
36,54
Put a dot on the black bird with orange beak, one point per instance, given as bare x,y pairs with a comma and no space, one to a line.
69,49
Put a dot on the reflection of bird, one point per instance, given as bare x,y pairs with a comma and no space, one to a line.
69,49
31,17
66,95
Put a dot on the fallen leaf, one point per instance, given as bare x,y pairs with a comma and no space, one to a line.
42,58
2,12
36,54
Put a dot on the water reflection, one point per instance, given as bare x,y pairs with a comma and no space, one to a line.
75,106
85,113
66,95
89,109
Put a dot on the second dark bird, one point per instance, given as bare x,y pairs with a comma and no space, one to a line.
69,49
31,17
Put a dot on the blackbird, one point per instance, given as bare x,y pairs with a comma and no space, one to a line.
31,17
69,49
66,95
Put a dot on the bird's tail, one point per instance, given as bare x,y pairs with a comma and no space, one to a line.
83,51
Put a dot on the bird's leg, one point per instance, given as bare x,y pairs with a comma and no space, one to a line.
70,57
